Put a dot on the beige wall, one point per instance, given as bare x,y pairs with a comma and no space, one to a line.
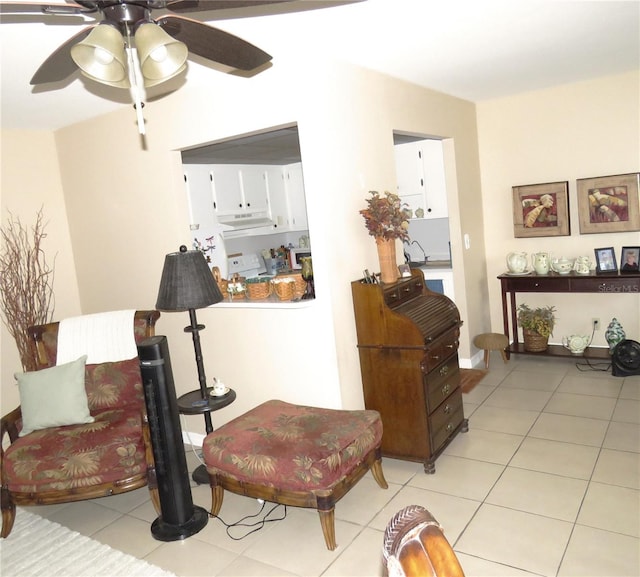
127,209
564,133
31,181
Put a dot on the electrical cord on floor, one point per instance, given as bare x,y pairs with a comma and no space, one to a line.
259,524
193,447
598,367
588,366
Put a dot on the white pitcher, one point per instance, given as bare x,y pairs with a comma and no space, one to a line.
517,262
540,262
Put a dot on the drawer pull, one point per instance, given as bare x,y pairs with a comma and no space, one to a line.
446,389
450,427
444,370
435,357
447,409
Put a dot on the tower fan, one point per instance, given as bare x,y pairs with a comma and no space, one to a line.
180,518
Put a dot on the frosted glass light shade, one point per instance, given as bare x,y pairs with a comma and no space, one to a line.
161,56
101,56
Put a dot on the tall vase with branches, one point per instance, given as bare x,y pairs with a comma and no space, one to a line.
26,283
386,221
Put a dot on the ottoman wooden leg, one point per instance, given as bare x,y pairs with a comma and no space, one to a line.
217,494
378,475
327,520
504,356
486,358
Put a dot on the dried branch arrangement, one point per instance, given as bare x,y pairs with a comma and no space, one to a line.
26,283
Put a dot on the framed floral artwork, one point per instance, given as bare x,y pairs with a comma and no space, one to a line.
541,210
609,203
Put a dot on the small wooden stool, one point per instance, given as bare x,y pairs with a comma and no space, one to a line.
492,342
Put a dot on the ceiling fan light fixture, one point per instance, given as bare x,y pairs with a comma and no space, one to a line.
101,55
161,56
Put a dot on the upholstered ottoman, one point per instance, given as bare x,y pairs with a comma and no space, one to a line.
295,455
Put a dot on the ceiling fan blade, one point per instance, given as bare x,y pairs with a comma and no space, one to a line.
44,8
59,65
206,5
214,44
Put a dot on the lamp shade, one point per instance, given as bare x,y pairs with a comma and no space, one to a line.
187,283
101,56
161,56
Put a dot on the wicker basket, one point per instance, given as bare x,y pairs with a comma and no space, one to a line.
237,288
223,284
284,289
534,342
259,289
300,285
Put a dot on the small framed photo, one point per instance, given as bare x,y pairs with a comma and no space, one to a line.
629,258
405,270
606,261
541,210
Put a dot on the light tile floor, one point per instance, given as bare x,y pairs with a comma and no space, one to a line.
546,482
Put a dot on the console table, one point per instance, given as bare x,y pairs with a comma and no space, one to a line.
557,283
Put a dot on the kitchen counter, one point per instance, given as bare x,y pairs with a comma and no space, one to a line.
436,264
272,302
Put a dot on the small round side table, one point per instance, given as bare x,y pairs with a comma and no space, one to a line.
191,403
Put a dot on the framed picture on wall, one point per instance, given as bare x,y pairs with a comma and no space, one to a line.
629,259
541,210
606,261
609,203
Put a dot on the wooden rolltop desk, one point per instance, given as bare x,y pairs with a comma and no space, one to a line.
408,346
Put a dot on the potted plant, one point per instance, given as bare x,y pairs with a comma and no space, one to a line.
386,221
537,325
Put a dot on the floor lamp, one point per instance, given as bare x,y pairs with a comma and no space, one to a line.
187,284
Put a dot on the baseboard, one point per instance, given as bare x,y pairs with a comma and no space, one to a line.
474,361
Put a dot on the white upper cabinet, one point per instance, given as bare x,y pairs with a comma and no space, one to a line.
420,177
269,197
297,201
278,204
239,189
197,178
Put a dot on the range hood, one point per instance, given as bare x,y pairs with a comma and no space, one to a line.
245,221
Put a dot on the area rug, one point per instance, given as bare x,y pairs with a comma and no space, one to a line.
469,378
37,547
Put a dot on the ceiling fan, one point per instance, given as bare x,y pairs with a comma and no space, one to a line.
128,48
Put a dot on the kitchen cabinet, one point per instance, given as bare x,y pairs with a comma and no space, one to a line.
421,178
197,178
408,348
296,198
287,197
278,204
239,189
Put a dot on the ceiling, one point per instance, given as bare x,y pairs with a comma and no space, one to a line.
472,49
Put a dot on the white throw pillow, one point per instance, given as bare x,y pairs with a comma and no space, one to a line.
53,397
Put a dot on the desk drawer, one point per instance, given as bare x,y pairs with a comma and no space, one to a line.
443,414
440,351
441,383
545,285
440,436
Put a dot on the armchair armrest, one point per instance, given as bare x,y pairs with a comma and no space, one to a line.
9,425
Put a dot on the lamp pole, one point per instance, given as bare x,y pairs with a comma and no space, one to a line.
194,328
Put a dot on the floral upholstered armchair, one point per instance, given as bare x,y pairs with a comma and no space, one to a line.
85,436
